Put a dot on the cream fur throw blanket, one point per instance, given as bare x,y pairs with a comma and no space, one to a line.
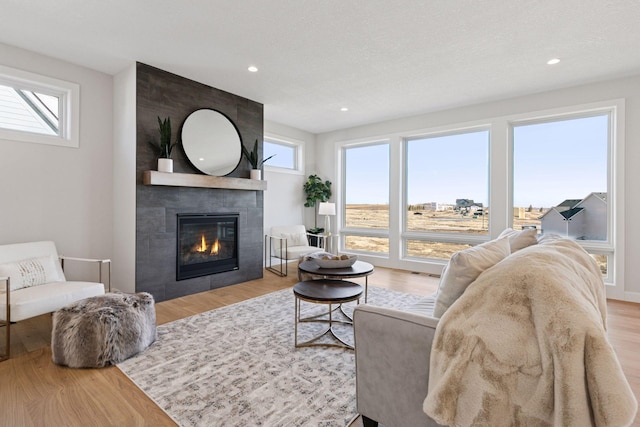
526,345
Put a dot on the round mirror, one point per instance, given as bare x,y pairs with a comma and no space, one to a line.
211,142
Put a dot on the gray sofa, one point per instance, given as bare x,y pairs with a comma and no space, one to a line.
523,321
392,363
393,348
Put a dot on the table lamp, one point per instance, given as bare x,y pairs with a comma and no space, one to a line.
327,209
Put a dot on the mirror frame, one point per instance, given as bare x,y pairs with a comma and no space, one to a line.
211,147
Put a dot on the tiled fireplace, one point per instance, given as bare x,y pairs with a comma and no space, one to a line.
158,207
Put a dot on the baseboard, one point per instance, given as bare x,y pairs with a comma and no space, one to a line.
632,296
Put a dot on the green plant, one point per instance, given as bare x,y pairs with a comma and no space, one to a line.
165,146
316,190
252,156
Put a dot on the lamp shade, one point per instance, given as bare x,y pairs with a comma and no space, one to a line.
327,209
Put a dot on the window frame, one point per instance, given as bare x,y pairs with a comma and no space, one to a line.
69,108
430,236
345,231
613,246
500,184
298,160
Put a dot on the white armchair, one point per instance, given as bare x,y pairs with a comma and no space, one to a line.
32,282
288,242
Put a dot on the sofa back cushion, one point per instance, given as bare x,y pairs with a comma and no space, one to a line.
18,252
520,239
464,267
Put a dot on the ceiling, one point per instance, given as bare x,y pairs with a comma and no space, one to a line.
382,59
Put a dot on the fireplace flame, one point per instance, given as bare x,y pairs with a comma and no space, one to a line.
203,245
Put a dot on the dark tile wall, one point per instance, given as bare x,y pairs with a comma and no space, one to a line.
163,94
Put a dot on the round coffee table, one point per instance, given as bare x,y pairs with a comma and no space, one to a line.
324,291
358,269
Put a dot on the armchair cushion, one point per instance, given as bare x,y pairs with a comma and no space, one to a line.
296,239
32,272
297,243
37,300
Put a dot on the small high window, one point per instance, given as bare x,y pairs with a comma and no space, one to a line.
287,155
38,109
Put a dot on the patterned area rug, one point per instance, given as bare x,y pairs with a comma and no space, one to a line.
237,366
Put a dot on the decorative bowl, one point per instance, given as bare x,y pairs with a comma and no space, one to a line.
336,263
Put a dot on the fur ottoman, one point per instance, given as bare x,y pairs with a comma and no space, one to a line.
103,330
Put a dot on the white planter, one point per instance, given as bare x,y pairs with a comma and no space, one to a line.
165,165
256,174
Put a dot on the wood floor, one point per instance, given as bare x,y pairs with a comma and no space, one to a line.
35,392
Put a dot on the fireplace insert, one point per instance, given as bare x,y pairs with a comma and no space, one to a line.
207,244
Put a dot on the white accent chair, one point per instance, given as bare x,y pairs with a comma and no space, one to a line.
32,283
288,242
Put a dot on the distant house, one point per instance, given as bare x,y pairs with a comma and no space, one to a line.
584,219
467,205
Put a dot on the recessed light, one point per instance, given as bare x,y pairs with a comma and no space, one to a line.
253,68
553,61
344,109
201,159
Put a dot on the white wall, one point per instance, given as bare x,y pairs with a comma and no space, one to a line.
124,180
284,198
627,88
59,193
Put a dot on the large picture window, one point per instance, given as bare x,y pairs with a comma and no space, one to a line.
366,195
561,180
447,192
560,176
422,195
447,183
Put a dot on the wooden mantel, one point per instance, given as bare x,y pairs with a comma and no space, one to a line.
201,181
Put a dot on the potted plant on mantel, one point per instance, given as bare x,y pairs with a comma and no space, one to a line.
164,146
316,190
252,157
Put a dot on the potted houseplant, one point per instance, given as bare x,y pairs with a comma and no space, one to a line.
316,190
164,146
252,157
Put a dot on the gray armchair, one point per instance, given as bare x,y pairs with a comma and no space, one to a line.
392,364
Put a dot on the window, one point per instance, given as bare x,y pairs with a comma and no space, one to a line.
38,109
29,111
366,197
562,185
418,197
560,176
286,155
447,192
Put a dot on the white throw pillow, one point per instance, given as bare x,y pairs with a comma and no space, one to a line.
520,239
31,272
464,267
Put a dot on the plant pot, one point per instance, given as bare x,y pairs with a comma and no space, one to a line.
256,174
165,165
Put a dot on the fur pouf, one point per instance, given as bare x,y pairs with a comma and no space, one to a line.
103,330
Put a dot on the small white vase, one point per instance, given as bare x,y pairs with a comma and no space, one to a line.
256,174
165,165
